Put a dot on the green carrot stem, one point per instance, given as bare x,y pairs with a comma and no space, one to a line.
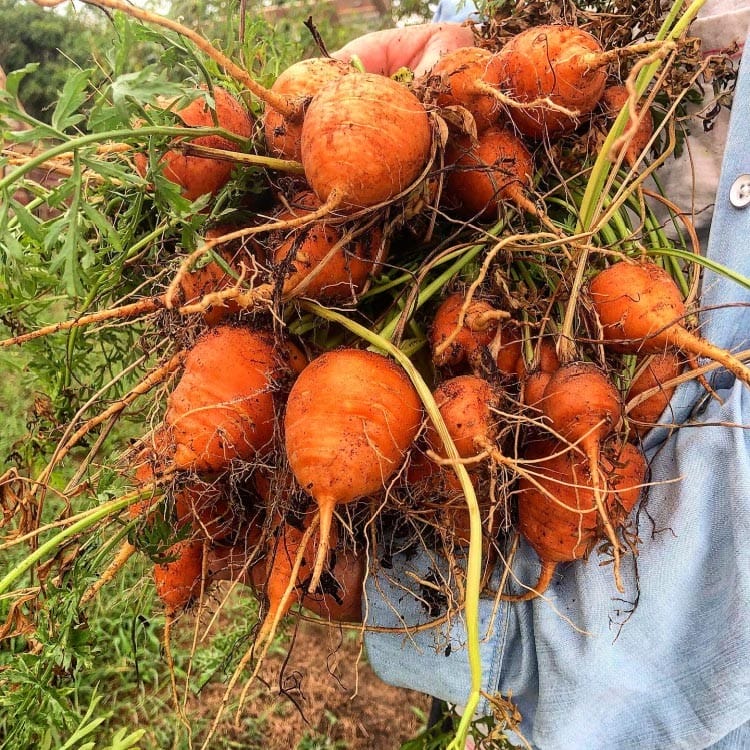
435,286
251,160
119,135
656,235
149,238
51,545
712,265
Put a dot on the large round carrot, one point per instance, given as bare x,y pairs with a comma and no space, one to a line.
556,74
365,139
641,310
223,407
582,404
350,419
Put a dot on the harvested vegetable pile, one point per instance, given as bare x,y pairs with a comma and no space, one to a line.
447,323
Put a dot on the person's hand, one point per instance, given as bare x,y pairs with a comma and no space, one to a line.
415,47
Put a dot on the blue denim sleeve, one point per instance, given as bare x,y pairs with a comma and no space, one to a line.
667,664
455,11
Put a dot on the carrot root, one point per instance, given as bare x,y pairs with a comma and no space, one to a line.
270,624
141,307
124,554
519,197
544,101
684,339
601,59
326,507
593,457
546,572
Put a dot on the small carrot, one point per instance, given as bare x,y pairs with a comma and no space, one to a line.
641,310
583,406
557,505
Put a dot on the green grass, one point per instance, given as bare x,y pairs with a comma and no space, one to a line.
16,398
110,658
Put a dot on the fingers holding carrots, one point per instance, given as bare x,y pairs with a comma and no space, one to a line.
415,47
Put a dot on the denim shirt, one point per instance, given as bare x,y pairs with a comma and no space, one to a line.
665,665
455,11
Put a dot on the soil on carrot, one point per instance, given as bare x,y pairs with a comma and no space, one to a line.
322,694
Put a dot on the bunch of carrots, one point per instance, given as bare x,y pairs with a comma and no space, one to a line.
343,367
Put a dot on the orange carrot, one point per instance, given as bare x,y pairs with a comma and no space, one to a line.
641,310
483,173
350,418
210,278
383,148
302,79
178,581
636,135
204,504
319,261
557,506
223,407
583,406
468,405
651,372
540,370
507,350
198,175
557,73
454,340
464,74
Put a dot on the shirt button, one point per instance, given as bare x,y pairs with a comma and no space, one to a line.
739,193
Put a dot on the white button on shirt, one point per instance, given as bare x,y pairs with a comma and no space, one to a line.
739,193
